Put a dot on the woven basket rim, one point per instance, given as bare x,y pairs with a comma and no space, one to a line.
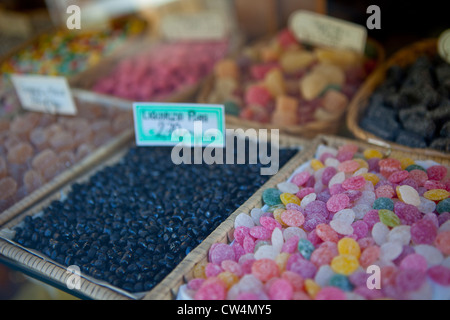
308,130
360,101
225,234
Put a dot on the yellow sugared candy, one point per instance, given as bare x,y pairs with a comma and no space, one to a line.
436,194
372,153
274,82
289,198
282,260
362,163
292,61
277,216
344,264
311,287
371,177
199,270
348,246
342,58
228,278
316,164
406,162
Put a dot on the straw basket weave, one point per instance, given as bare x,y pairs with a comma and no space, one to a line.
43,267
99,155
309,130
360,102
224,233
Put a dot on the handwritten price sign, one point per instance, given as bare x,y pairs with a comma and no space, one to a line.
44,94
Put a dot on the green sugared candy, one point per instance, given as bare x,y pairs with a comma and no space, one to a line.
383,203
443,206
275,207
415,167
342,282
232,108
306,248
389,218
271,197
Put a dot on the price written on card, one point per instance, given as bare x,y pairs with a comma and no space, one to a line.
168,124
44,94
318,29
194,26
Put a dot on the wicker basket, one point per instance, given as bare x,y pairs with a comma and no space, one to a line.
87,79
41,266
100,154
309,130
360,102
224,233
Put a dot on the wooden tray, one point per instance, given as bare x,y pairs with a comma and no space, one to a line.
224,233
309,130
87,79
36,263
101,153
360,102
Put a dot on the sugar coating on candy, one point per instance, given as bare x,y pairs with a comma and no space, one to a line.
400,234
338,202
348,246
442,242
287,198
415,262
306,248
288,187
269,223
271,196
293,218
440,275
436,194
423,232
430,253
408,195
308,199
345,264
301,178
341,227
354,183
389,218
265,269
383,203
221,253
380,232
243,220
436,172
345,215
390,250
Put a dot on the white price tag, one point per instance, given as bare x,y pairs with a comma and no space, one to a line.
44,94
194,26
318,29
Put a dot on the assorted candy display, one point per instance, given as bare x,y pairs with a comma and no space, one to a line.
283,82
134,221
320,232
36,147
412,106
163,70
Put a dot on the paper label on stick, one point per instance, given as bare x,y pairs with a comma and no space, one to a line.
168,124
444,45
318,29
44,94
194,26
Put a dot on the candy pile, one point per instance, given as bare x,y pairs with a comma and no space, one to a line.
68,53
133,222
163,70
337,215
286,83
36,147
412,106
